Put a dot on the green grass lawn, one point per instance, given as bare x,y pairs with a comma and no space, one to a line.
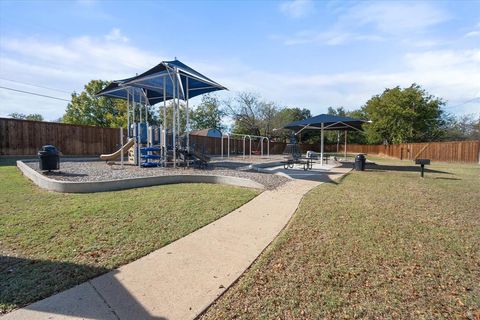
382,244
52,241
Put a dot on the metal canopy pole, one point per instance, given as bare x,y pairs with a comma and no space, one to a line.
140,107
261,146
244,137
179,128
121,144
345,148
321,145
139,132
164,121
250,143
268,147
188,119
174,131
128,114
135,129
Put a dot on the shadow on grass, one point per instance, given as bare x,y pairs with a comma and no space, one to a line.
383,167
23,281
230,164
12,161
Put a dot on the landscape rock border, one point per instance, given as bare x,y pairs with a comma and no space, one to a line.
113,185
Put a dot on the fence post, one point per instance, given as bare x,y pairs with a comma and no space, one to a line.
478,143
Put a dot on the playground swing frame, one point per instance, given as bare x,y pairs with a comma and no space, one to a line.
244,137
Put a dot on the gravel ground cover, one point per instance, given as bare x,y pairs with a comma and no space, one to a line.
89,171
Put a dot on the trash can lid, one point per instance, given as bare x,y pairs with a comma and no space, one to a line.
49,149
360,156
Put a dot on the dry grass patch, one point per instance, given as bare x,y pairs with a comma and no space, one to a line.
381,244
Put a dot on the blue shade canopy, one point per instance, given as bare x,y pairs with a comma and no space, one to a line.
152,83
330,122
164,74
116,89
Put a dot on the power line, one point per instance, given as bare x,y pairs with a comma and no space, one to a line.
465,102
34,85
33,93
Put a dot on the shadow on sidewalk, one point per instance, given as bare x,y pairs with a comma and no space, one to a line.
24,281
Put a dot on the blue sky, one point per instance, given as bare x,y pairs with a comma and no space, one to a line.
295,53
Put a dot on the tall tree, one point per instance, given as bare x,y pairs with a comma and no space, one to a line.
245,110
207,114
32,116
284,116
464,127
182,116
87,109
404,115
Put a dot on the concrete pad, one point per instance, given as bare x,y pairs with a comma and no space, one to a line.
325,173
80,302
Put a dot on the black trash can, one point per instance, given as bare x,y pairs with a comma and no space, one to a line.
49,158
360,162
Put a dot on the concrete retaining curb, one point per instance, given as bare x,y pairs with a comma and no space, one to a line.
112,185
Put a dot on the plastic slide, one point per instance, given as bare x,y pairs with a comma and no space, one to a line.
116,154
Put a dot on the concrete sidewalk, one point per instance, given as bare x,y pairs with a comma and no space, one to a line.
183,278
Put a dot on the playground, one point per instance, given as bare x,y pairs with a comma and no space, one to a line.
147,232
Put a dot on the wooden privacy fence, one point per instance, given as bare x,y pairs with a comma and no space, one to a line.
24,137
452,151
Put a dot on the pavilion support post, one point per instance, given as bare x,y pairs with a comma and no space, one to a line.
164,144
139,154
261,147
128,114
268,147
321,144
121,144
338,141
139,133
244,146
174,122
250,144
188,119
345,147
140,107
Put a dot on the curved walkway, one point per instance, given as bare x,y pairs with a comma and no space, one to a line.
182,279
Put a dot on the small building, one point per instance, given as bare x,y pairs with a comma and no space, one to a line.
212,132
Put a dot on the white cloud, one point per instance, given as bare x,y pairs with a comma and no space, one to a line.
472,34
67,65
451,74
116,35
373,21
331,38
396,17
297,8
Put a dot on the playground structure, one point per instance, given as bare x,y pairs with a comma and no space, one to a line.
169,142
261,140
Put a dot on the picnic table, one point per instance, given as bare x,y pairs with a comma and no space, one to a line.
306,162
